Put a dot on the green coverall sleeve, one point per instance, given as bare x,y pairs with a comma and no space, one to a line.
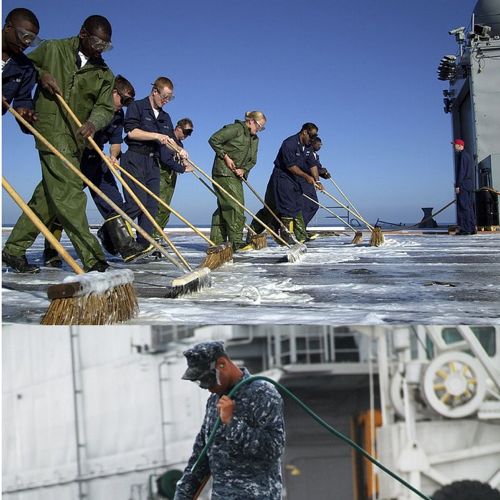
103,110
221,137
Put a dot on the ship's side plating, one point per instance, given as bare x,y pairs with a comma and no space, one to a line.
473,99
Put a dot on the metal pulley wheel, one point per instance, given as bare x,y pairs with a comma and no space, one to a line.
396,394
454,384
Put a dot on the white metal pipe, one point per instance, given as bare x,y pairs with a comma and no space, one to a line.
480,353
467,453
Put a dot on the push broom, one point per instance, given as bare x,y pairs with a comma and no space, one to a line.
184,284
358,235
216,254
193,280
295,252
258,241
377,237
87,299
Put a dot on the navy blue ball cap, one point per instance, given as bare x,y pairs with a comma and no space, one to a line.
200,357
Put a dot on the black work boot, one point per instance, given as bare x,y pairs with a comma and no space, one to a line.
19,264
106,242
126,245
51,258
100,266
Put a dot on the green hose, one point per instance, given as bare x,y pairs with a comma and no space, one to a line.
318,419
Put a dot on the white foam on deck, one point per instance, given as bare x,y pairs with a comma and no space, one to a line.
412,278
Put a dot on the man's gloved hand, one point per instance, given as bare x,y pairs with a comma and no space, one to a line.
28,114
319,186
49,83
323,173
226,409
87,129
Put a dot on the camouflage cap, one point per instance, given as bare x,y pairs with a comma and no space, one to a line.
200,357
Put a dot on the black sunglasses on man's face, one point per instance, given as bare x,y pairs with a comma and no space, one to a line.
187,131
125,100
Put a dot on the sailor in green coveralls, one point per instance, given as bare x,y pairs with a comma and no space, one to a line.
235,147
74,68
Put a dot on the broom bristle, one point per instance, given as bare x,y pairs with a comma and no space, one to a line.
358,236
92,299
296,252
259,241
218,255
377,239
190,283
111,306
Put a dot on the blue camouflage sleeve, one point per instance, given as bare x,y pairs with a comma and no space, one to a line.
259,431
190,481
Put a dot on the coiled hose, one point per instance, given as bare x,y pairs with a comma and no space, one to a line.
318,419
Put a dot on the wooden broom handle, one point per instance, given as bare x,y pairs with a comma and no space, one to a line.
368,225
90,184
41,227
171,144
164,203
280,222
355,210
108,162
328,210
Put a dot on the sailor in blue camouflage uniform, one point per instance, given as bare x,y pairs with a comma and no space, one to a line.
245,457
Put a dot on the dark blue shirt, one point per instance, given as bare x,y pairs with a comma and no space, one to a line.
140,115
168,158
464,171
313,160
292,152
112,133
18,80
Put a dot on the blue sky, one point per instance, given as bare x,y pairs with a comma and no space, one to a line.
364,71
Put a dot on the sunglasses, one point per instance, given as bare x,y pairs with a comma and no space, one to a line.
125,100
27,37
187,131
